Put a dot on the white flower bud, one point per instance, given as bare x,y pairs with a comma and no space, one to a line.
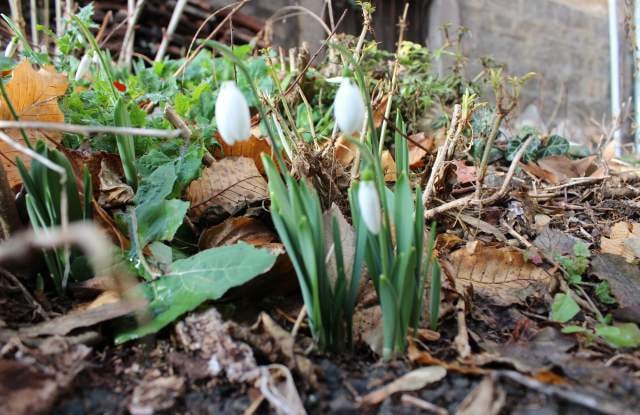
349,109
232,114
11,48
83,66
369,204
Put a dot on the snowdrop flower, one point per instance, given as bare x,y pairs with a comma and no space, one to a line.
11,48
83,66
369,203
232,114
349,107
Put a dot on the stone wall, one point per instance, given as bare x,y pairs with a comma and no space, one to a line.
566,42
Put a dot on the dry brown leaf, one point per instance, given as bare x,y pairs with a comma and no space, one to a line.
412,381
345,151
559,169
233,230
252,148
388,166
34,95
226,187
424,358
379,109
464,173
624,240
113,191
502,275
416,154
66,323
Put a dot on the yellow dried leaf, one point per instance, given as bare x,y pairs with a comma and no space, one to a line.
34,95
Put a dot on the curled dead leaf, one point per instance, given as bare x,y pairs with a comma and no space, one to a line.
243,228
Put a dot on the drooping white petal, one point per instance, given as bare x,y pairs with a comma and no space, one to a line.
349,109
369,204
232,114
83,66
11,48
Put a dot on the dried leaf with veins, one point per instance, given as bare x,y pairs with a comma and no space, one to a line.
502,275
34,95
225,188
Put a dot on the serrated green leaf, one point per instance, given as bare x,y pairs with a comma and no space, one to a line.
564,308
192,281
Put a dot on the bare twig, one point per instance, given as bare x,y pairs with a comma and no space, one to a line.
396,66
440,157
461,342
424,405
296,326
224,21
33,16
90,129
172,116
173,23
463,201
126,52
16,14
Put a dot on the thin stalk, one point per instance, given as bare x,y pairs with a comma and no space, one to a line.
487,150
33,14
171,28
394,78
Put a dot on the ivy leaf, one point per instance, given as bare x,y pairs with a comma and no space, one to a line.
556,146
564,308
620,335
192,281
